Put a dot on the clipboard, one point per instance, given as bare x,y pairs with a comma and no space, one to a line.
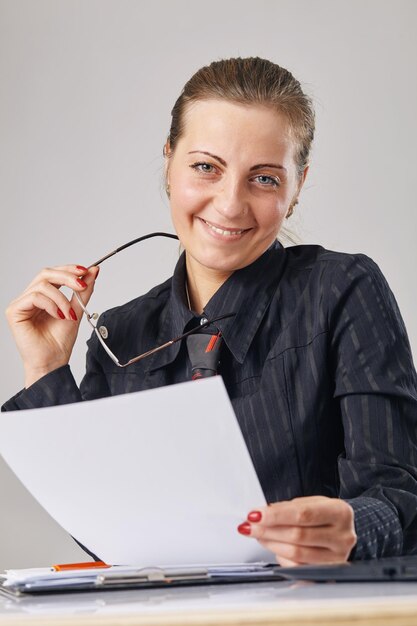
129,577
401,568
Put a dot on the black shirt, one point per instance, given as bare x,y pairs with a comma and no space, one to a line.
318,367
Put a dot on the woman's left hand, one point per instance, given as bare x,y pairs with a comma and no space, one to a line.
311,529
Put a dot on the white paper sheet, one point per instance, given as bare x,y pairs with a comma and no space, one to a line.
158,477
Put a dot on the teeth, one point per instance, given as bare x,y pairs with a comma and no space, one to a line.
224,232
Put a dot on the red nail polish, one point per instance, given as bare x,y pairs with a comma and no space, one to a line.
98,270
82,268
255,516
60,313
82,283
73,314
244,528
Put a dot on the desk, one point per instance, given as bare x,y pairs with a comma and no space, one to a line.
258,604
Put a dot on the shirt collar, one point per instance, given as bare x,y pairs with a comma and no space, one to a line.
174,318
247,293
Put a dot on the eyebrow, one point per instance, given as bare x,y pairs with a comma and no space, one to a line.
259,166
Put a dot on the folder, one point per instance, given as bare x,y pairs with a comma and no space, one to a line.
36,581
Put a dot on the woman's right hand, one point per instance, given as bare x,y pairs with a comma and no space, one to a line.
44,322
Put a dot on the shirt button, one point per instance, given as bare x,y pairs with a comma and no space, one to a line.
203,320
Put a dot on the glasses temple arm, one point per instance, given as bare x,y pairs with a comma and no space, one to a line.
131,243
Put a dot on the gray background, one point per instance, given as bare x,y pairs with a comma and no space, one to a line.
86,89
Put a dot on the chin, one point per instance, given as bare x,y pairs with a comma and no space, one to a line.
220,263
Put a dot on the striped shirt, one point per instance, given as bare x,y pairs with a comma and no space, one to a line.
319,370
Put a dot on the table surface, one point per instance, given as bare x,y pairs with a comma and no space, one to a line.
265,604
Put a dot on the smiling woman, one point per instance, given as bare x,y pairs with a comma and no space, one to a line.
315,356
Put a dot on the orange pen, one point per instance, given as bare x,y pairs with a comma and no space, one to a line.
86,565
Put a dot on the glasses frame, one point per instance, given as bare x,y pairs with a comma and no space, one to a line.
101,332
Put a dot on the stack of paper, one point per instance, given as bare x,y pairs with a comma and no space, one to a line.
46,580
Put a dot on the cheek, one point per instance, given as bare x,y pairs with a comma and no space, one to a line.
183,207
186,198
272,215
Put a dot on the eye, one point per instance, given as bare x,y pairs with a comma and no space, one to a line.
204,167
268,181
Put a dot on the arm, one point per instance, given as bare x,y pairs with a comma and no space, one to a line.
56,387
375,385
45,326
377,390
59,386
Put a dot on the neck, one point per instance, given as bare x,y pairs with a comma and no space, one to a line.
202,284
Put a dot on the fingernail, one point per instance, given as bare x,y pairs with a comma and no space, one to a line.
73,314
82,268
60,313
244,529
82,283
255,516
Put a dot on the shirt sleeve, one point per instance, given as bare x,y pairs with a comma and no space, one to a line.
375,384
59,386
377,527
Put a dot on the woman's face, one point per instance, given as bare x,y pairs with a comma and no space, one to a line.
232,179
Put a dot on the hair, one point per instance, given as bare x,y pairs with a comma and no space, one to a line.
250,81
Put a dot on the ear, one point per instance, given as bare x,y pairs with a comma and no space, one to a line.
167,154
303,178
301,182
167,148
300,186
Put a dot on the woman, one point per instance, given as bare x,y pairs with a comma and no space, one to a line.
315,358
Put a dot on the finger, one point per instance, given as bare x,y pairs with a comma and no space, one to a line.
37,301
303,555
66,277
285,562
79,270
76,268
306,511
56,296
85,295
314,536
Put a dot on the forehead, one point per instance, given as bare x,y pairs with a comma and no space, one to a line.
234,124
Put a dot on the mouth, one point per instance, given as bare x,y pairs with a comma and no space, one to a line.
230,232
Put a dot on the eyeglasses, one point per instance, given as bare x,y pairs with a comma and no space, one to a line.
102,332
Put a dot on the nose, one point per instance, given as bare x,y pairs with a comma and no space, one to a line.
230,200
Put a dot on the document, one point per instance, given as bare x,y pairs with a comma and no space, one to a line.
153,478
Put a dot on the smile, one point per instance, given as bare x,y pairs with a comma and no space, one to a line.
224,233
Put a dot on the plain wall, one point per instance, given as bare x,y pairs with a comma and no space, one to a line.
86,90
